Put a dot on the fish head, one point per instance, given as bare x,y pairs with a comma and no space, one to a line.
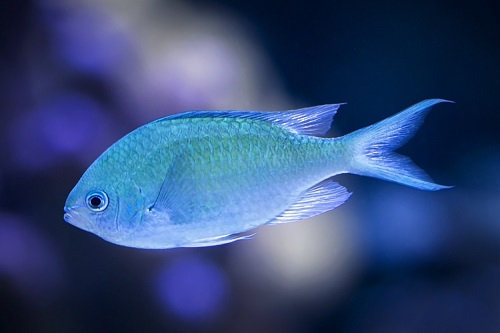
105,204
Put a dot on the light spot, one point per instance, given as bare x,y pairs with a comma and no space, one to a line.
28,260
192,288
306,261
405,226
70,124
88,40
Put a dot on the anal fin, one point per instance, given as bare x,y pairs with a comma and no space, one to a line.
318,199
218,240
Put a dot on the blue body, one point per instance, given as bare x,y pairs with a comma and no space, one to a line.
203,178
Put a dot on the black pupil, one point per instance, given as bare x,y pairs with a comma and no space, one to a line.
95,201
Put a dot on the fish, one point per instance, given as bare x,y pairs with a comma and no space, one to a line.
205,178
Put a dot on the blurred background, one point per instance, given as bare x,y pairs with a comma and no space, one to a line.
77,75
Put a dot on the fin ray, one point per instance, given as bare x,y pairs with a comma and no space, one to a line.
218,240
318,199
313,121
374,145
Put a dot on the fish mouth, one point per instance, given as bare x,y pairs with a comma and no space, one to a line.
68,217
72,217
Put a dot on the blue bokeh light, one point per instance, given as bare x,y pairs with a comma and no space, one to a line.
403,226
58,128
28,260
192,288
88,40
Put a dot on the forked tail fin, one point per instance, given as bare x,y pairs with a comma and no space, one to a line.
374,146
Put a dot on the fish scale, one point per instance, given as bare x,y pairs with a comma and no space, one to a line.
252,170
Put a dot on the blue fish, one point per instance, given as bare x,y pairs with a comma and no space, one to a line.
204,178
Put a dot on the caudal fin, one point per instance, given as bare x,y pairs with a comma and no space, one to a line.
374,146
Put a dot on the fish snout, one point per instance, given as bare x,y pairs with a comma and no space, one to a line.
69,215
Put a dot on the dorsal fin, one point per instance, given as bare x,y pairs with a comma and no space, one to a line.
313,121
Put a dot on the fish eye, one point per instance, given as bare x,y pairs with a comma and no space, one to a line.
97,201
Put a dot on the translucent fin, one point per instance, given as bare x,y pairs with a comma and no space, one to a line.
219,240
374,145
320,198
314,121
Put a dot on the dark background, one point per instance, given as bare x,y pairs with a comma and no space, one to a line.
75,76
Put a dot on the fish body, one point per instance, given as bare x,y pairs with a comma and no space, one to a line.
203,178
